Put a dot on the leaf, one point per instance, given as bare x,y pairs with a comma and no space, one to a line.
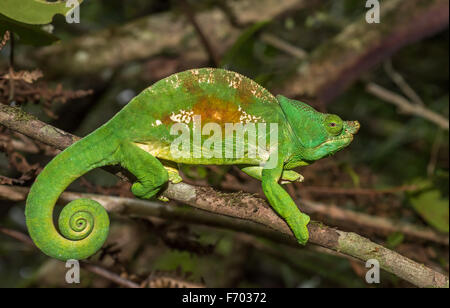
28,34
395,239
26,76
37,12
432,207
352,173
242,48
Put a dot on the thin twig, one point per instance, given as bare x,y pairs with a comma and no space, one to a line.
402,84
229,12
284,46
340,61
250,208
17,235
211,51
358,191
11,69
334,214
100,271
4,39
406,106
368,224
434,153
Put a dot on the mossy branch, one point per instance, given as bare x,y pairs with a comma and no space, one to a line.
337,63
247,207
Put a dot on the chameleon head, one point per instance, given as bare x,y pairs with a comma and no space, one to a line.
318,134
338,134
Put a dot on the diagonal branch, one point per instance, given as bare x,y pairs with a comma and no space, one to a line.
248,207
406,106
209,48
152,35
100,271
336,64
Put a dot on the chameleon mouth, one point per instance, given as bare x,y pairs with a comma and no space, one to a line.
347,137
344,139
351,129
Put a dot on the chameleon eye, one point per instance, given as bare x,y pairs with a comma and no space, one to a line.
333,124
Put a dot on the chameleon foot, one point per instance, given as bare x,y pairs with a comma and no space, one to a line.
299,226
163,199
290,176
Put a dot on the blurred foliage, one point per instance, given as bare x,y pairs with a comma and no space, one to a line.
431,206
35,12
391,149
28,34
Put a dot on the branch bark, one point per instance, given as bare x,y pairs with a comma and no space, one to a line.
248,207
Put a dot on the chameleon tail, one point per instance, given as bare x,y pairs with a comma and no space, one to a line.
83,223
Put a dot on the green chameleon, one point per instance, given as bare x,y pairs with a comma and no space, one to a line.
142,139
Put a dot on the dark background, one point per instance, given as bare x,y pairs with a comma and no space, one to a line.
322,52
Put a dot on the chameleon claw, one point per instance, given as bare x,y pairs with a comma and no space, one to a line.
290,176
163,199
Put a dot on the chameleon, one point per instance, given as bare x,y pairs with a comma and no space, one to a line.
207,107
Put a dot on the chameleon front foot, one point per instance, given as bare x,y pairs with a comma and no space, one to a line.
174,175
163,199
287,176
290,176
299,226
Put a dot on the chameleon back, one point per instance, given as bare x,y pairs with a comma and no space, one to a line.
209,95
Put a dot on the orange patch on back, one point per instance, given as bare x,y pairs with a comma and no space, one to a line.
213,109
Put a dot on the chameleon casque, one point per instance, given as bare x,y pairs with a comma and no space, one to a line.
139,138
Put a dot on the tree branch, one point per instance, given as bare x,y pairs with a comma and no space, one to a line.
336,64
209,48
406,106
368,224
152,35
248,207
100,271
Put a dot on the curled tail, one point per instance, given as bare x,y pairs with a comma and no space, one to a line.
83,223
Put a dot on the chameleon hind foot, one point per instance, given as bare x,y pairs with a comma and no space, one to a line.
150,173
144,192
174,178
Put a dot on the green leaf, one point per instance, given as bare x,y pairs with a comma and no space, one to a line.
242,46
37,12
432,207
395,239
352,173
28,34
